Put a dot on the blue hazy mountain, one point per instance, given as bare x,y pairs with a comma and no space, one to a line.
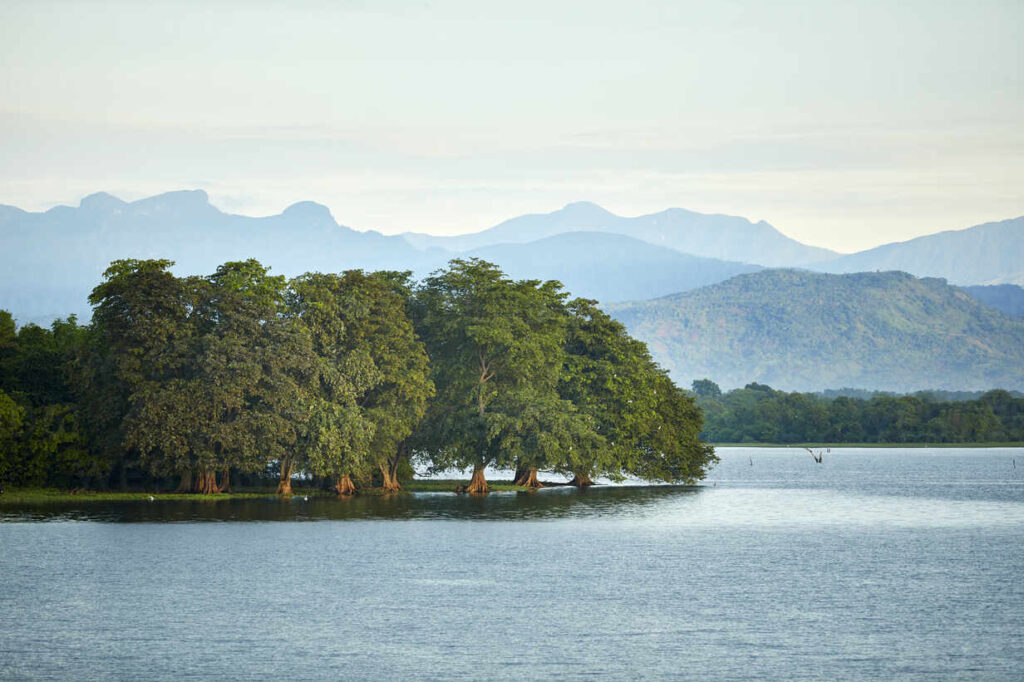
992,253
1008,298
609,267
710,236
806,331
50,261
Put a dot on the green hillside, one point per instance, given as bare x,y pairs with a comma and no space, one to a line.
799,330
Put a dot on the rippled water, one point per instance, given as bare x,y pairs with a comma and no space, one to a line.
873,564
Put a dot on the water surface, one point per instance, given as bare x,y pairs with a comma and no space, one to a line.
874,564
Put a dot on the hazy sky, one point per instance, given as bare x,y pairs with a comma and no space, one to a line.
844,124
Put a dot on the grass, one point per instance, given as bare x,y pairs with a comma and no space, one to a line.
18,495
44,495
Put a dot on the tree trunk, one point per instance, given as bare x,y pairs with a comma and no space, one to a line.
581,481
345,486
207,484
401,452
528,478
185,485
284,486
478,484
389,482
225,481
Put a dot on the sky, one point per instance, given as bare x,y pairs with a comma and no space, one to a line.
844,124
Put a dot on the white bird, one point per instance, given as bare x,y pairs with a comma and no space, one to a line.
306,498
151,498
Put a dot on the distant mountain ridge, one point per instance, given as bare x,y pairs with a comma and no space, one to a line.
609,267
50,261
991,253
799,330
1008,298
709,236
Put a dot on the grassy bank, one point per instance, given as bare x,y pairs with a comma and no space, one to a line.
43,495
58,495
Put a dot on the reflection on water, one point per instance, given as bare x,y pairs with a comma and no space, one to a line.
549,503
749,487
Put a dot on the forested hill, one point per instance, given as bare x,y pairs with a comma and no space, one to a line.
807,331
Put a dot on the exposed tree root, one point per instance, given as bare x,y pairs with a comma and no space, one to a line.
478,484
207,483
389,482
528,478
225,481
284,485
345,486
581,481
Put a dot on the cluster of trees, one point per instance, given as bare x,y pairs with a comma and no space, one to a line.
760,414
350,378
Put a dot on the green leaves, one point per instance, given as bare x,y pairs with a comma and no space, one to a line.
338,375
11,417
496,348
642,424
373,375
758,413
525,379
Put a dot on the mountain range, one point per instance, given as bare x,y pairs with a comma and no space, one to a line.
711,236
992,253
609,267
49,261
687,261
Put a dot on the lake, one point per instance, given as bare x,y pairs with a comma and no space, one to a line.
876,563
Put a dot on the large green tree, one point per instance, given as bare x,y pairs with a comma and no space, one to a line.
374,311
372,379
496,349
254,363
139,349
643,425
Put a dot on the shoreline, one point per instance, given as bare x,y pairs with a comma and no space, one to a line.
965,446
45,495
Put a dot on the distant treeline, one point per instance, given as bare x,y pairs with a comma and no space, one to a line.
347,379
761,414
931,396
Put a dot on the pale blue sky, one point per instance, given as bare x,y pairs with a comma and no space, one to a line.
845,124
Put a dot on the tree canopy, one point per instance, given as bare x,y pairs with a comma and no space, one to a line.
347,378
760,414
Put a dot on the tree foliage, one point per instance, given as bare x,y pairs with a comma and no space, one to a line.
345,377
760,414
